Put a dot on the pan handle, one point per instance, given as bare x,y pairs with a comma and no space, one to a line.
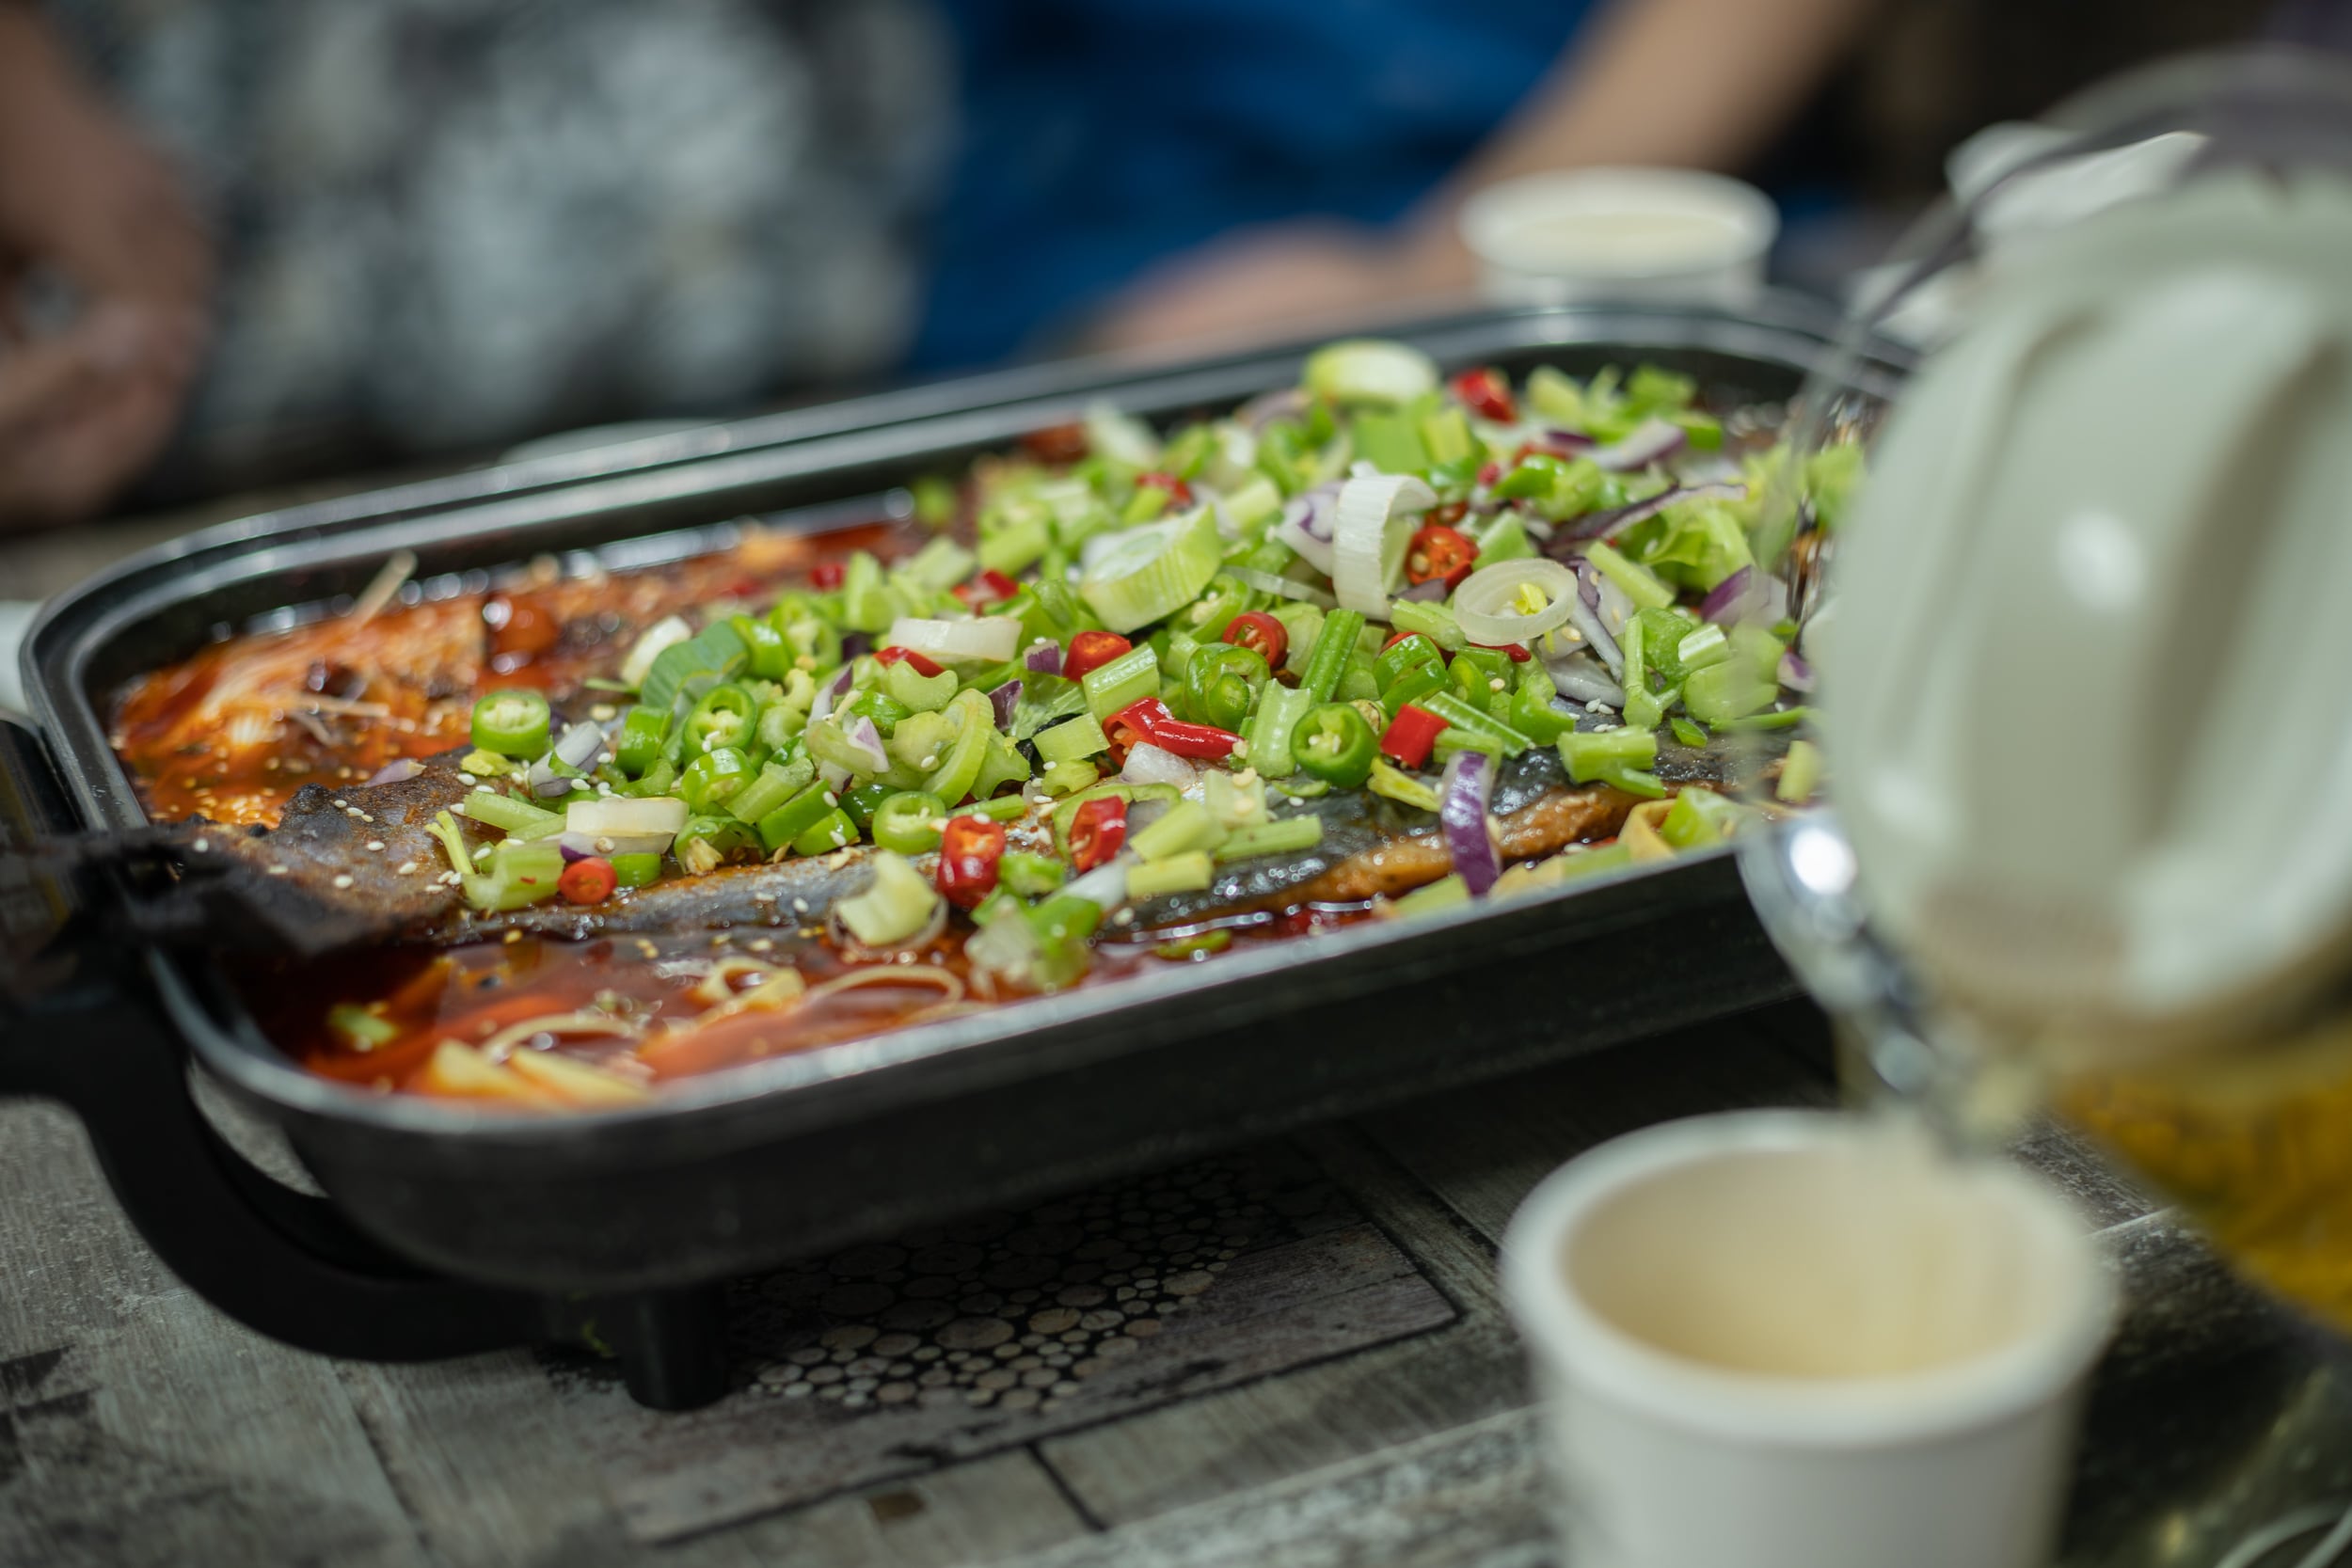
79,1022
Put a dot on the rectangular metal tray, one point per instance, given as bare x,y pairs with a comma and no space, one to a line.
748,1167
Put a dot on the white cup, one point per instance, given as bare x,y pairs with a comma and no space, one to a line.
1664,234
1799,1339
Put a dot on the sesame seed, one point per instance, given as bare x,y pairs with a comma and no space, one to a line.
1124,917
404,868
376,843
932,761
342,882
800,906
277,871
514,936
202,845
1494,683
343,805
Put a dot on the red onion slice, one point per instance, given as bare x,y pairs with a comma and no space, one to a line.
1731,599
1470,784
1044,660
400,770
1644,444
856,645
1609,524
865,739
1795,673
1310,523
1432,592
1584,615
834,689
1004,698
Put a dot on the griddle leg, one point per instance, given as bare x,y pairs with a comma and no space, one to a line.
672,1345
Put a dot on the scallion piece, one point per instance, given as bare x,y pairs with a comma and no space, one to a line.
1182,829
1444,894
1288,836
518,818
1124,682
1188,872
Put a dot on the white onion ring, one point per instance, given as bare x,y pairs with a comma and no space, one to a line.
1480,603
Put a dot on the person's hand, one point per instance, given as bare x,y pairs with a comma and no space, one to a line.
84,408
1289,279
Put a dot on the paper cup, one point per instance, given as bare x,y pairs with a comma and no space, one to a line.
1668,234
1798,1340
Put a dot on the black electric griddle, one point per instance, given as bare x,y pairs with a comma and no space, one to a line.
449,1227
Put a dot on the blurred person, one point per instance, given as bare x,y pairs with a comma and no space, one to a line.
440,225
1155,171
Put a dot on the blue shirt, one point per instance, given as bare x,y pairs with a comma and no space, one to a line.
1102,136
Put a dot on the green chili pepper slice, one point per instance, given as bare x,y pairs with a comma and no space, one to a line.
640,744
727,716
862,801
908,822
512,723
1407,654
714,779
1334,744
1221,681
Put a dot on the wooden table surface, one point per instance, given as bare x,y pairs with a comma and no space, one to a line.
138,1426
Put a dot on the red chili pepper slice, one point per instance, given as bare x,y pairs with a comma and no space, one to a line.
1097,833
1516,650
588,881
1411,733
1262,634
1092,649
922,666
1489,471
988,588
1169,734
1056,443
1178,491
970,849
1441,554
1485,393
826,576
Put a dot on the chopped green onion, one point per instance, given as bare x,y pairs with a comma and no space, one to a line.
1470,729
1687,733
508,814
896,905
1124,682
1637,582
1268,740
1444,894
1183,827
1287,836
1800,774
1071,740
1188,872
1402,787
